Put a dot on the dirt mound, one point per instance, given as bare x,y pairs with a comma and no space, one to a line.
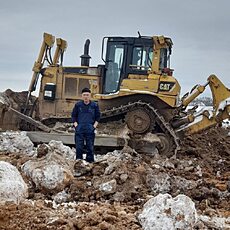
17,100
211,151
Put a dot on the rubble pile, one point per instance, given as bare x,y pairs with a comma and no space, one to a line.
123,189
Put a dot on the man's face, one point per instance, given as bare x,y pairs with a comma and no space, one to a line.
86,97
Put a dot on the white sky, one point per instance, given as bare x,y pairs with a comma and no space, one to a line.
200,30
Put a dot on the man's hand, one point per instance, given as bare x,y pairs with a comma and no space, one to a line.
75,124
95,124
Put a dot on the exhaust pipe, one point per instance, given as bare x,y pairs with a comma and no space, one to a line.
85,57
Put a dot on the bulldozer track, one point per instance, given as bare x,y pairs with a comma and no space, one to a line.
165,126
124,109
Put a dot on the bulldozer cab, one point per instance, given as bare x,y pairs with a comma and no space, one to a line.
127,55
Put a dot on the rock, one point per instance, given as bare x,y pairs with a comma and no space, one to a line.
158,183
113,160
98,169
156,166
42,150
61,197
51,173
123,177
185,165
12,186
16,142
109,169
63,150
189,169
168,164
108,187
199,171
182,184
56,147
82,167
119,197
215,222
165,212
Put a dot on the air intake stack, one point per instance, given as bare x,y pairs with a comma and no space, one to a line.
85,57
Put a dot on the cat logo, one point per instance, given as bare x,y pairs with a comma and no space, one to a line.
166,86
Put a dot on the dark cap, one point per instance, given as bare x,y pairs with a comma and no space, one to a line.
86,90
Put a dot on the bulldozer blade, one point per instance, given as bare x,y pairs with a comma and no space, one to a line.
146,145
30,120
68,138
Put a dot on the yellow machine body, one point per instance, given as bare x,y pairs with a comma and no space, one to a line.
61,87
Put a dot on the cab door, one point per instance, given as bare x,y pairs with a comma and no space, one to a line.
114,66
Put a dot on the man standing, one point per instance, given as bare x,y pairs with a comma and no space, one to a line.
85,117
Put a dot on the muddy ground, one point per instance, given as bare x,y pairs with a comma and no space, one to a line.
201,171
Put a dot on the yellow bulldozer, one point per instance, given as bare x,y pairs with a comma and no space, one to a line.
135,84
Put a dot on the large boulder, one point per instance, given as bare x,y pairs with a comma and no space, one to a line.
50,173
16,142
12,186
164,212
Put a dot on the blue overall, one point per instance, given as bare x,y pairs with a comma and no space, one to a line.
85,116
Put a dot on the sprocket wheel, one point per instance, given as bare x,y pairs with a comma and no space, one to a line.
139,121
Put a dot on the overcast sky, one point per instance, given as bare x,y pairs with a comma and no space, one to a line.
200,30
